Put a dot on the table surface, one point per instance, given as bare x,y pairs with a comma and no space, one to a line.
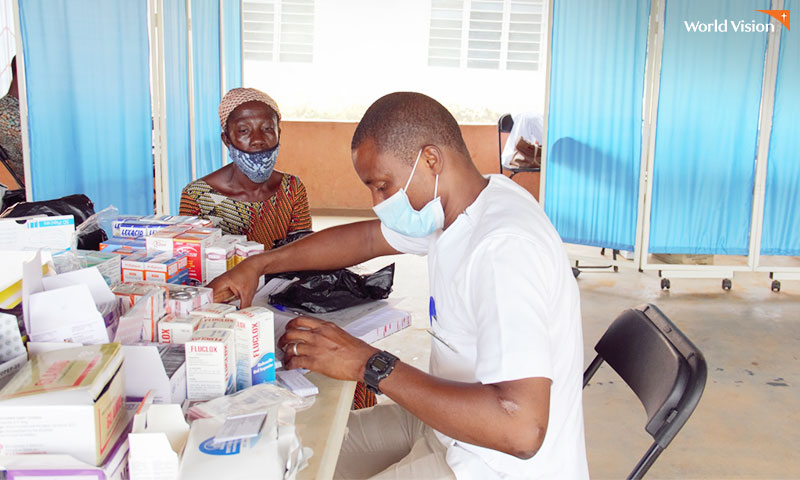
322,426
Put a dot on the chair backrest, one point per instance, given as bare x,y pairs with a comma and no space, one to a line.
505,124
665,370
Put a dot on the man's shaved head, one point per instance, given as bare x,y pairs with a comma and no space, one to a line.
403,122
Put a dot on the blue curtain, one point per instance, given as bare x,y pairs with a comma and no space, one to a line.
205,51
708,110
232,18
594,125
781,230
179,154
88,93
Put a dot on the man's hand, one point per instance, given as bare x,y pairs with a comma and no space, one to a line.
241,282
331,249
325,348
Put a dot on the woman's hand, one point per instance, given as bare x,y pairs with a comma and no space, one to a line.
325,348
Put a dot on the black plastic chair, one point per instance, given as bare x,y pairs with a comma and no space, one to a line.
504,125
662,367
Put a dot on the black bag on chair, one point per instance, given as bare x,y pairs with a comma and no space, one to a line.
12,197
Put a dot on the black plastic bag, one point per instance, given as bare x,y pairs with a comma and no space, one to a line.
78,205
291,237
328,291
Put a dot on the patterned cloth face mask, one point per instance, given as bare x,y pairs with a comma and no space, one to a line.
257,166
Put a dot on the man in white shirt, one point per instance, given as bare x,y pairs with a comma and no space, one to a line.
503,396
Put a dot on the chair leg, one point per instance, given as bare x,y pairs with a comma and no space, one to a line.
589,373
646,462
499,149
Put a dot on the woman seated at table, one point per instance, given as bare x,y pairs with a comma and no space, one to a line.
248,196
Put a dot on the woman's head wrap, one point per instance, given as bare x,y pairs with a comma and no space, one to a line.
238,96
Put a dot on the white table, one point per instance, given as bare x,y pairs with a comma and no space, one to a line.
322,426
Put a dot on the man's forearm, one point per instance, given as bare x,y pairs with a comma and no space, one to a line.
510,417
333,248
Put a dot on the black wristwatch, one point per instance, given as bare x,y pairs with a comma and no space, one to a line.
379,366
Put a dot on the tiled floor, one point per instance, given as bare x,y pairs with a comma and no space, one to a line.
747,423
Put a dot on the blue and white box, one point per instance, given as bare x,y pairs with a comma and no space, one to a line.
53,234
255,346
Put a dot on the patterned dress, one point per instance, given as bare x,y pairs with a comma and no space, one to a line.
272,219
10,134
265,221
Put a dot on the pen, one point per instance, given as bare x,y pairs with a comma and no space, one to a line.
437,337
293,311
280,307
432,310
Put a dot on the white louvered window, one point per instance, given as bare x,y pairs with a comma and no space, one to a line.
278,30
446,31
489,34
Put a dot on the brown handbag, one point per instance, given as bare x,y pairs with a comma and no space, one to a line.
526,155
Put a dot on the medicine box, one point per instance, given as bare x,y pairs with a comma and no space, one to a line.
30,233
210,364
161,241
159,267
108,264
246,249
132,243
216,323
255,346
184,299
67,402
214,233
142,226
219,257
137,228
214,310
176,329
130,294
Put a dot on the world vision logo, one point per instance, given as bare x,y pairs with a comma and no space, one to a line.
783,16
741,26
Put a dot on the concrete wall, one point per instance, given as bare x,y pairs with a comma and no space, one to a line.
319,153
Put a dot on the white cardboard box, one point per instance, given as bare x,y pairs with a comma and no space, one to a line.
39,415
65,467
156,441
177,329
213,310
38,231
157,368
210,364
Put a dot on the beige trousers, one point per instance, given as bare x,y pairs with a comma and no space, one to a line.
388,442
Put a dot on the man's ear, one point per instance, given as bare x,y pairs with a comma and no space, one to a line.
433,157
225,139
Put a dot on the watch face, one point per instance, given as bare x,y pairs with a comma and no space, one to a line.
379,364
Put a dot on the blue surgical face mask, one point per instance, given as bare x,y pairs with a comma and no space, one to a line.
257,166
397,213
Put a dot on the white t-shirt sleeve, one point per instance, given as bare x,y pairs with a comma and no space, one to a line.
404,244
510,293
